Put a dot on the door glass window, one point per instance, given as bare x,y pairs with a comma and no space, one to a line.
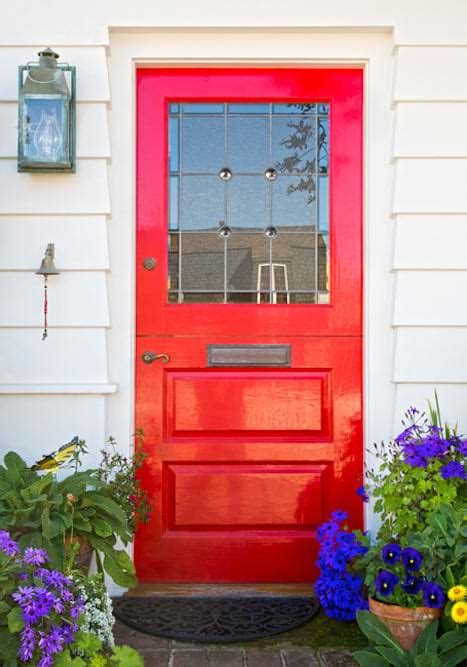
248,203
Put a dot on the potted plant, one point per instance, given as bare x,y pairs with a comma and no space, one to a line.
419,550
61,514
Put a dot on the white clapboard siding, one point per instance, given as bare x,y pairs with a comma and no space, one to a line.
431,130
431,298
91,124
80,242
431,354
452,399
91,64
85,192
431,73
76,299
68,355
431,242
52,421
431,186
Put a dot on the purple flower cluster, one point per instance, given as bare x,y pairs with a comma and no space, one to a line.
421,443
339,590
411,559
49,607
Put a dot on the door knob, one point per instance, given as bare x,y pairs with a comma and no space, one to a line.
150,357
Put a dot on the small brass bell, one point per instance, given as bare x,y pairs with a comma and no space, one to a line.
47,267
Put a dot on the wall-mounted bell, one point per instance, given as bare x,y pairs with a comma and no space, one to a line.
47,267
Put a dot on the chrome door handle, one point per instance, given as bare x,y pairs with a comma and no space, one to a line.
151,357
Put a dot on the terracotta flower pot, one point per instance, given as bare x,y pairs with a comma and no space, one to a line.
405,624
84,555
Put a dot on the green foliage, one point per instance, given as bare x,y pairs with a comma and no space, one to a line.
406,496
87,651
429,651
42,511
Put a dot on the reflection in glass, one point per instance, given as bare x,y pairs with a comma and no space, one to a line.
249,238
248,149
248,202
203,144
202,202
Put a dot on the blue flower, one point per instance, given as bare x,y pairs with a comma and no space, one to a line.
386,582
412,585
391,553
433,595
361,493
35,556
452,470
412,559
339,515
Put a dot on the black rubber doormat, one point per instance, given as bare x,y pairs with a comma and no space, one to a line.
215,619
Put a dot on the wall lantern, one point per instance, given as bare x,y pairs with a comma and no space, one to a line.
47,115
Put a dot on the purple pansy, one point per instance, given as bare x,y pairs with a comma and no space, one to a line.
412,585
386,582
412,559
391,553
433,595
7,545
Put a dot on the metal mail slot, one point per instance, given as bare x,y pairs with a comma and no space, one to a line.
248,355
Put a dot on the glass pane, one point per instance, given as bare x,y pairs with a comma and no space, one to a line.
174,160
323,263
203,145
45,122
202,202
174,108
297,254
296,297
293,202
249,108
173,261
247,197
247,148
323,203
323,145
294,144
202,262
294,108
173,202
203,108
245,254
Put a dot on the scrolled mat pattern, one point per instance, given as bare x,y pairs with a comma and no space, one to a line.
215,619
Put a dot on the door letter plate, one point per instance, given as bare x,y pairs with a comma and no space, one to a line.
248,355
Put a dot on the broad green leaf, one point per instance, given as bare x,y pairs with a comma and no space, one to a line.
426,643
122,570
15,620
9,645
450,577
455,656
452,639
393,657
4,606
106,504
45,520
427,660
63,659
101,528
376,631
87,643
367,659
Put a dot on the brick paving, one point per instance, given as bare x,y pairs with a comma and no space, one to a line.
159,652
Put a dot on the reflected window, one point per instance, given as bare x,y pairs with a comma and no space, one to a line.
248,203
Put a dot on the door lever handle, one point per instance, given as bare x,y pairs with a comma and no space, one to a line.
151,357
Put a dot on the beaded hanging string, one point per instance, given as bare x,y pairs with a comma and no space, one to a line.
46,304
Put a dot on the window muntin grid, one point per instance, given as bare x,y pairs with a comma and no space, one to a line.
248,189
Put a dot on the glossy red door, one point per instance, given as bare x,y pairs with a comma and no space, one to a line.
245,462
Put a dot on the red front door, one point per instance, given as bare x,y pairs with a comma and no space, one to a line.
249,189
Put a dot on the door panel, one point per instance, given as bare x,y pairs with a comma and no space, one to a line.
253,426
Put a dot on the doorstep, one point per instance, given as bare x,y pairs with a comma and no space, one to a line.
228,590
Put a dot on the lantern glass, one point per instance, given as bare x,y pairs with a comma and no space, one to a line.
46,139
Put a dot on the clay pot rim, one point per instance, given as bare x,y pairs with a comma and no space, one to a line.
397,613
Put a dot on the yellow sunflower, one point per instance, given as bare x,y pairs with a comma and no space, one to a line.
459,612
457,593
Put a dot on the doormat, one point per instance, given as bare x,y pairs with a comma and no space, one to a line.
215,619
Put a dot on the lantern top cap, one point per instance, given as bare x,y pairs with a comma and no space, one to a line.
48,57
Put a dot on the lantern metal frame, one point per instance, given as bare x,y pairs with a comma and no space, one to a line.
23,166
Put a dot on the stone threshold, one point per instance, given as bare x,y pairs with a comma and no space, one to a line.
221,590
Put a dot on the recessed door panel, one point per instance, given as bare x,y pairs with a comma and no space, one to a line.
249,347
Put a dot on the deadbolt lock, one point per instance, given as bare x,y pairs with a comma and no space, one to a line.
149,263
151,357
